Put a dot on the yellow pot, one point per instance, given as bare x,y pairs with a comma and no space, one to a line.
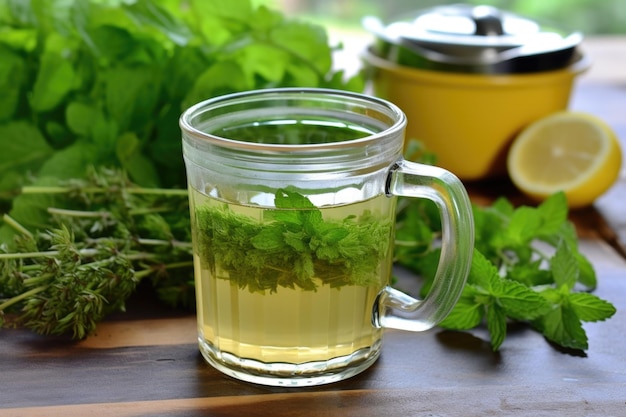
469,120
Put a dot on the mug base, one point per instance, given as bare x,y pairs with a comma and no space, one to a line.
280,374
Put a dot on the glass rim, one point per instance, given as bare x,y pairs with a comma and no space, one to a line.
392,110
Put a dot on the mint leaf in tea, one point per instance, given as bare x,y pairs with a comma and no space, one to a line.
295,244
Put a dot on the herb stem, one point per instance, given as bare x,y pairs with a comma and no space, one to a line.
37,280
148,210
161,242
78,213
52,253
408,243
15,225
103,190
8,303
174,265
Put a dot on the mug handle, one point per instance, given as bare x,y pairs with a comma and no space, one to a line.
397,310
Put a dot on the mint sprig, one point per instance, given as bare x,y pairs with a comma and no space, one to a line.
294,246
526,268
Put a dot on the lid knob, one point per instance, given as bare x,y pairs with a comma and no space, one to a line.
488,21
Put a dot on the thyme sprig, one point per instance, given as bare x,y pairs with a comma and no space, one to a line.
93,254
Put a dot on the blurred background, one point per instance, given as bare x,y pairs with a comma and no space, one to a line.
588,16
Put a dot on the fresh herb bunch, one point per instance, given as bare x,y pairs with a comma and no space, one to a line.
293,247
526,267
109,235
103,82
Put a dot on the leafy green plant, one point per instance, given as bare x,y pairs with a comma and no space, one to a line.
526,267
103,82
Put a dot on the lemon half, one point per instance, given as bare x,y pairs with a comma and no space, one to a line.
573,152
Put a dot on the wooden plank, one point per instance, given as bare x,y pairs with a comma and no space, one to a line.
174,331
507,400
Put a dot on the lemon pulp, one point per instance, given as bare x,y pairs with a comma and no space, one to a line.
573,152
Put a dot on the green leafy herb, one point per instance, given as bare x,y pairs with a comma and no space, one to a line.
526,267
94,253
294,246
103,82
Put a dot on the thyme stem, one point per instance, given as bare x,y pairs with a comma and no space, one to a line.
22,296
34,189
16,226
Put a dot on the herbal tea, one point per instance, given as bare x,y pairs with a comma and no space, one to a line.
294,284
302,131
292,196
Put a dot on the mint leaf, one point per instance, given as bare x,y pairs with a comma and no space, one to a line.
332,234
496,324
523,226
73,161
265,61
587,274
589,307
55,78
161,17
466,314
18,39
498,295
131,94
482,272
269,239
305,213
220,78
530,274
286,199
553,213
564,267
82,118
12,77
561,325
24,154
30,210
298,241
134,162
503,207
112,43
519,301
220,20
489,229
307,42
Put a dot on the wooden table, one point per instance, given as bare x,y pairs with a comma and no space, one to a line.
146,362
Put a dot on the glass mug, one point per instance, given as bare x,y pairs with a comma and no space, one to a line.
292,199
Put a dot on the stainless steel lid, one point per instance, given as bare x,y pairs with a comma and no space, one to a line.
477,38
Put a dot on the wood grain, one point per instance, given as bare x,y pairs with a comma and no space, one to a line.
174,331
467,402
